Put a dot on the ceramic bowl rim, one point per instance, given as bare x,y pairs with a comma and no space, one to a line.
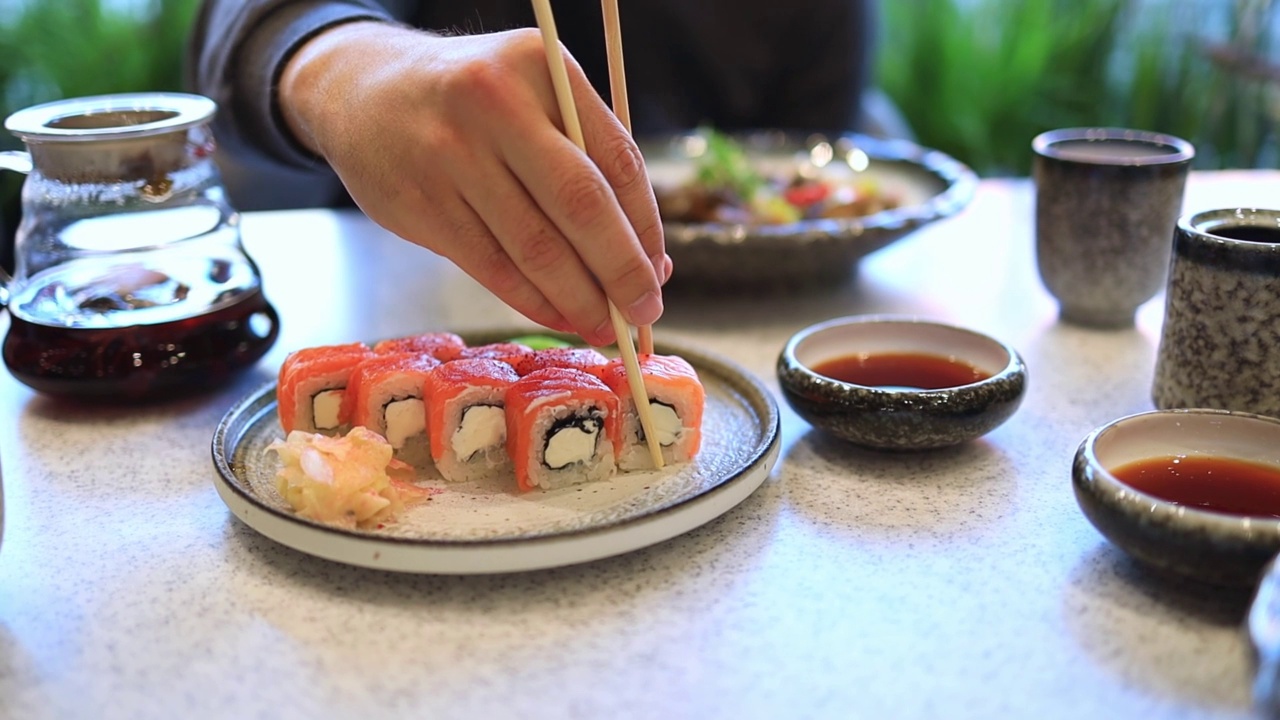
1223,523
1014,365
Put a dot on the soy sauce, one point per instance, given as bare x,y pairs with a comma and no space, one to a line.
1224,485
908,371
142,362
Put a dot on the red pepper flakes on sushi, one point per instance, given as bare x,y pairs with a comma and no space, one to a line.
442,346
588,360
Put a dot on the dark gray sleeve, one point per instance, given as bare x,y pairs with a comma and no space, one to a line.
237,52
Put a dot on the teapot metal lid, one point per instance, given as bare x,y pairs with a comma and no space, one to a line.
110,117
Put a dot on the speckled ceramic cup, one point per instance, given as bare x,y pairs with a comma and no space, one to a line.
1107,200
1220,345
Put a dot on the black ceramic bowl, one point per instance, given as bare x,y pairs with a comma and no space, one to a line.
1214,547
900,418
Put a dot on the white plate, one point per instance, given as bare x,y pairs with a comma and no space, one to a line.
475,528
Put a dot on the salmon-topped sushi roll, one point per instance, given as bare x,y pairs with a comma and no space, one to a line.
562,428
588,360
442,346
385,395
311,385
466,401
507,352
676,403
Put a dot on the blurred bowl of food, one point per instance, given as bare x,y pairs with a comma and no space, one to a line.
773,209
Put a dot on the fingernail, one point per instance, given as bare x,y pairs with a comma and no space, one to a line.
667,266
646,310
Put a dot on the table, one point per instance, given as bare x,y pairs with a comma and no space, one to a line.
961,583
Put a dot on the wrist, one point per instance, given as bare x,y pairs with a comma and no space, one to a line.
316,79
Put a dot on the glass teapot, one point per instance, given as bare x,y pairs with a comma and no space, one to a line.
130,280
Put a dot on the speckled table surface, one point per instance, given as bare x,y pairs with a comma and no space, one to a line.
961,583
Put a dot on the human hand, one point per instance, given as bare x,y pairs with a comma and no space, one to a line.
456,144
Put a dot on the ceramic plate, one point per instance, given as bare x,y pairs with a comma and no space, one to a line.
930,185
476,528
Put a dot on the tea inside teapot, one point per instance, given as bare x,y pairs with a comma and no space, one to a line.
130,281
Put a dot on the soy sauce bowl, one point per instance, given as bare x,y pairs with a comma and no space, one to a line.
1214,547
900,418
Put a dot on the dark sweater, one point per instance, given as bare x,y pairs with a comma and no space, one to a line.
733,64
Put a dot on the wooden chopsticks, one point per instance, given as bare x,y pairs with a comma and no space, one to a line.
621,108
573,128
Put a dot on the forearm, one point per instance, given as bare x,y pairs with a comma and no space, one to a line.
313,93
237,54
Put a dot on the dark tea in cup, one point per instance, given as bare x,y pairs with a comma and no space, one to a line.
1249,233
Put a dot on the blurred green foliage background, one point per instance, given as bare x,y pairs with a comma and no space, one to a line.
980,78
52,49
975,78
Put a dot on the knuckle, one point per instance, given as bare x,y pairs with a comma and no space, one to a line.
582,198
478,80
540,251
623,163
634,273
499,274
649,231
526,45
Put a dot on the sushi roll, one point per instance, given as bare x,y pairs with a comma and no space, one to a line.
466,402
442,346
588,360
507,352
562,429
385,395
676,403
311,386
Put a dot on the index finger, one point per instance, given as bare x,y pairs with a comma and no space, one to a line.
619,159
575,195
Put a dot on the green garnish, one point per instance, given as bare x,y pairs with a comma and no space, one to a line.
724,166
540,342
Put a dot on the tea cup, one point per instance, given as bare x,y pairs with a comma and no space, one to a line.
1220,343
1106,203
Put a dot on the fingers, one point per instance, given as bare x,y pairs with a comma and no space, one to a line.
537,249
619,159
468,242
576,198
469,162
603,204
